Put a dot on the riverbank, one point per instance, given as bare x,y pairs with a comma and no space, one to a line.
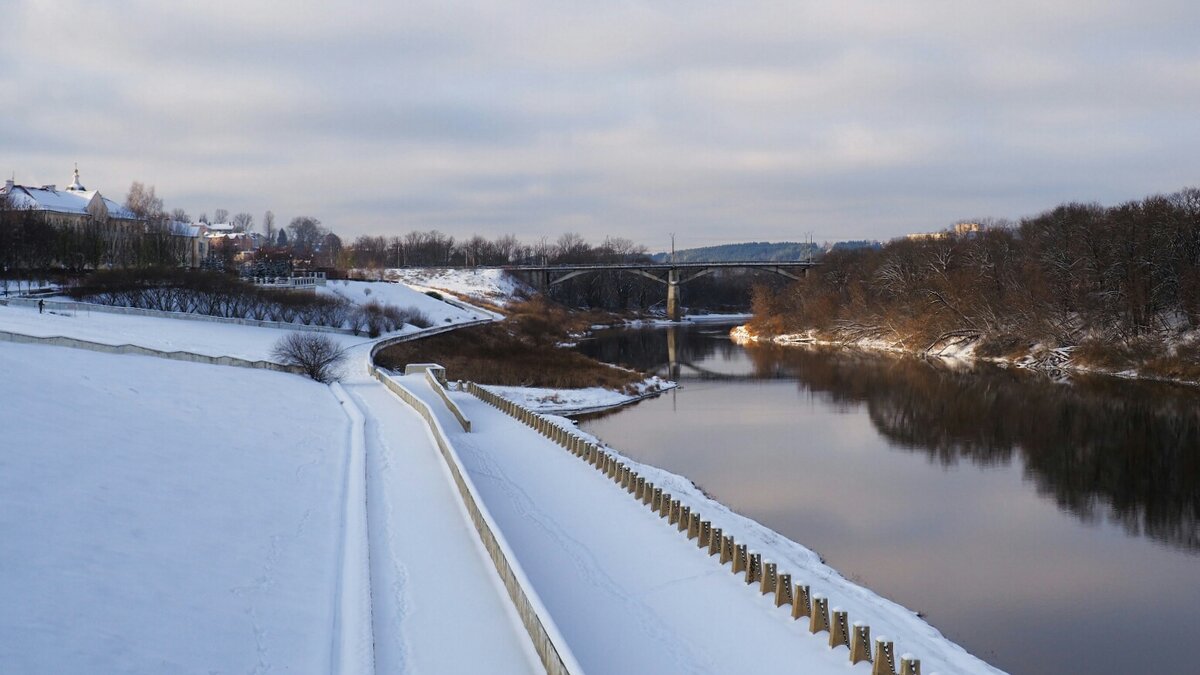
1180,365
585,401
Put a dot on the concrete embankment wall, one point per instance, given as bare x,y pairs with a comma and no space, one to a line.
547,640
76,343
67,306
551,647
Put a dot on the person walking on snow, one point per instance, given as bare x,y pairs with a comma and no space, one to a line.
41,306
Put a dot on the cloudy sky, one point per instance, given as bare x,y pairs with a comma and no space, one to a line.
719,121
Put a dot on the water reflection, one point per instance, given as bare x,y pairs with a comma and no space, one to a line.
1100,447
1047,526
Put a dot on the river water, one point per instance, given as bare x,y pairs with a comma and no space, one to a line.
1048,525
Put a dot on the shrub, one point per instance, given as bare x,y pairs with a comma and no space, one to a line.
317,354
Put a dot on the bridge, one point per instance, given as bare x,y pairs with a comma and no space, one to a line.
671,274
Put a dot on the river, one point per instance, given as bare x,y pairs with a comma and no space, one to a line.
1047,524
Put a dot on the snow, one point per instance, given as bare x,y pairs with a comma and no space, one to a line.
199,518
611,573
439,311
494,286
579,401
199,337
432,583
161,516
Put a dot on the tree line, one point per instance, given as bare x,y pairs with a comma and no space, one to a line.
1078,274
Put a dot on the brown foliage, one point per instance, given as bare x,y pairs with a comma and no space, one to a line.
520,351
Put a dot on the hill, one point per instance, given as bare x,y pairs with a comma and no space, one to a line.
763,251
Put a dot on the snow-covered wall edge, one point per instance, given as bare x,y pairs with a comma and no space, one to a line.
547,640
186,316
437,387
76,343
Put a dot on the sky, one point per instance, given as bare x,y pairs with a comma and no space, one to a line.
717,121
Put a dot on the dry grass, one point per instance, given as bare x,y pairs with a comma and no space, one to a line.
1149,356
520,351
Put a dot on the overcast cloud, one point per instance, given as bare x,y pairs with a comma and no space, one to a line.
726,121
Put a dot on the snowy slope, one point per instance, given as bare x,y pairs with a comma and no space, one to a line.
493,286
438,311
200,337
160,516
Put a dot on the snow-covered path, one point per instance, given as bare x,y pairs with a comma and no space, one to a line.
439,606
628,595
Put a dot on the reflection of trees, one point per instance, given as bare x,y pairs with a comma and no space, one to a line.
1101,447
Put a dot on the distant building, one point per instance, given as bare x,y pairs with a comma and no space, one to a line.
959,230
75,205
196,248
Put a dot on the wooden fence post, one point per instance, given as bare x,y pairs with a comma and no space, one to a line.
860,643
909,665
769,579
783,590
684,517
819,620
885,660
839,631
693,526
801,604
705,540
739,559
753,568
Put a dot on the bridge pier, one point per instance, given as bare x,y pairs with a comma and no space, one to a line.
673,307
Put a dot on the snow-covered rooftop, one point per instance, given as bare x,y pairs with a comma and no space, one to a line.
49,198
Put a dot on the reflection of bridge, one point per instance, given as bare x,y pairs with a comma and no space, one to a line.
672,275
675,368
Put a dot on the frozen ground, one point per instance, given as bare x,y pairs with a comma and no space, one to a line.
579,401
611,573
160,516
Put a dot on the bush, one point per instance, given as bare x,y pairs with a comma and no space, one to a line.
317,354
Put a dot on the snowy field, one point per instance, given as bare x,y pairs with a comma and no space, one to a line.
161,516
200,337
210,338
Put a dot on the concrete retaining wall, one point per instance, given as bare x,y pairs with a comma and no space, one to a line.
441,391
76,343
547,640
187,316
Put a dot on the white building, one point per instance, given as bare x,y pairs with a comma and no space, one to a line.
71,206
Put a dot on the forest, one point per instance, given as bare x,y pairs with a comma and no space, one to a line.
1117,287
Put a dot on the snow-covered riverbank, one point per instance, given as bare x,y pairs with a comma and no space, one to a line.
1039,357
580,401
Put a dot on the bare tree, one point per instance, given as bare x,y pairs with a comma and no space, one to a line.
243,222
143,202
306,233
269,227
318,355
180,216
221,215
